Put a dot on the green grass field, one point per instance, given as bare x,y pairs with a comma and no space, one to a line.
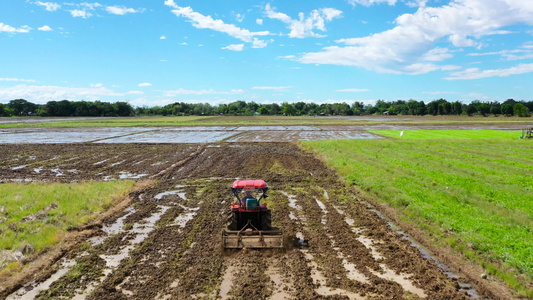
476,195
448,134
77,203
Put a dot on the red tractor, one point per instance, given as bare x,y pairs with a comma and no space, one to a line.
250,222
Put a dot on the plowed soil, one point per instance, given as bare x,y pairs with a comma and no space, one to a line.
167,244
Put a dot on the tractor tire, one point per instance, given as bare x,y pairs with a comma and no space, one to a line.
231,222
266,220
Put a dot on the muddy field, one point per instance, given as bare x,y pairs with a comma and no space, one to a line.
214,134
167,244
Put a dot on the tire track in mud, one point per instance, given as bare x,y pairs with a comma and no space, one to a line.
167,244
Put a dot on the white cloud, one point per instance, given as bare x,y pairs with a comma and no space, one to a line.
437,54
170,3
259,21
163,37
11,29
135,93
409,46
525,52
304,26
17,79
371,2
90,6
207,22
97,85
275,88
239,18
120,10
145,84
49,6
182,91
353,90
45,28
257,43
78,13
43,94
184,44
417,3
476,73
234,47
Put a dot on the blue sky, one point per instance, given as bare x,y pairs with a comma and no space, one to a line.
163,51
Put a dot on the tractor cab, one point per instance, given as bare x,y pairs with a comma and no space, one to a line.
244,192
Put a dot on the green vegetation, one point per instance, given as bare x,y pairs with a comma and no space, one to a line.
449,134
39,214
441,107
475,195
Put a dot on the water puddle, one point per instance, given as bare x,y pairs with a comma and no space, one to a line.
401,279
117,163
301,241
57,172
353,273
101,162
111,229
280,286
180,194
320,280
24,293
292,216
38,170
368,243
142,229
322,206
127,175
183,219
227,281
292,201
18,168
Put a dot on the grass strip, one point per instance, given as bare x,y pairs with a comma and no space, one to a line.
39,214
474,194
449,134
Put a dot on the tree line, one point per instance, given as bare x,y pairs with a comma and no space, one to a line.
440,107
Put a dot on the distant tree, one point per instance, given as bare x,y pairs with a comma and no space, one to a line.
358,108
21,107
507,109
312,109
471,109
484,109
288,109
520,110
123,109
495,109
510,101
222,109
263,110
456,108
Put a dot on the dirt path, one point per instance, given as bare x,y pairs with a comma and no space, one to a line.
167,244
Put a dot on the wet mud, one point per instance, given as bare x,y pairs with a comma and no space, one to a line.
167,243
214,134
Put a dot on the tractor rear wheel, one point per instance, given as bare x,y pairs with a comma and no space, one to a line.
231,222
266,220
